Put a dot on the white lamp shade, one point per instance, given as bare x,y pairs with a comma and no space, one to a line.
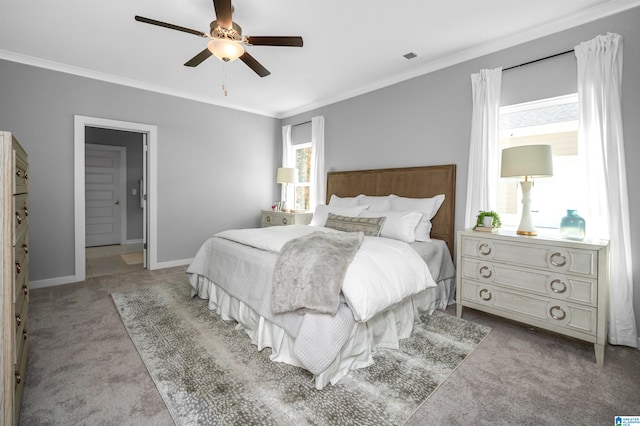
226,50
287,175
527,160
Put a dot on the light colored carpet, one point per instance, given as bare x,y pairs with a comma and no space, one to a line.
84,369
132,258
208,372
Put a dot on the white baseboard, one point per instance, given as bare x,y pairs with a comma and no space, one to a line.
138,241
51,282
171,264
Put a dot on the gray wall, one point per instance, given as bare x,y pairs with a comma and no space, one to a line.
216,166
426,120
132,142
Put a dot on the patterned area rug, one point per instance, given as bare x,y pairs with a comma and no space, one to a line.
208,372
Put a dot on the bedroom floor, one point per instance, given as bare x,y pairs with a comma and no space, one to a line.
113,259
84,369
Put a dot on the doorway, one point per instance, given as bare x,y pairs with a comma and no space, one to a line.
146,199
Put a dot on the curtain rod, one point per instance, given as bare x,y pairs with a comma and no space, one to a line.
538,60
300,124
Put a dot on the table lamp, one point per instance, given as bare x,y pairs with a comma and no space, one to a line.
286,176
527,161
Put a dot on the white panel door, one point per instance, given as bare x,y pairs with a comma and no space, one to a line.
103,209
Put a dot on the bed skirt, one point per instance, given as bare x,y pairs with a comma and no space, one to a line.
383,331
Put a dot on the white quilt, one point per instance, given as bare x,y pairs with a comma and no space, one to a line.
383,272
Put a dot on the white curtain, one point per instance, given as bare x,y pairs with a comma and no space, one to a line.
317,193
288,160
484,150
600,139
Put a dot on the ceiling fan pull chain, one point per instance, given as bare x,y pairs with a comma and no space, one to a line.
224,79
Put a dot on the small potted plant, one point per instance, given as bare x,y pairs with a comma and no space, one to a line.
487,221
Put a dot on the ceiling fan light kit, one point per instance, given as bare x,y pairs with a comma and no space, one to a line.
224,49
227,40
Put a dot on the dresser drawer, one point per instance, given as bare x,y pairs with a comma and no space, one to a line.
20,265
21,170
20,376
22,333
544,283
21,283
531,309
274,219
551,258
20,216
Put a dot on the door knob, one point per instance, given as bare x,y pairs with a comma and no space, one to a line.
117,202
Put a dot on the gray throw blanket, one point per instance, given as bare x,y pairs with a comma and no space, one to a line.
310,271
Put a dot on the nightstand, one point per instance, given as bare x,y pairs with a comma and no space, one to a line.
550,283
274,218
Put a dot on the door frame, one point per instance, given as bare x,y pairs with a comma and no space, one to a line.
122,186
151,132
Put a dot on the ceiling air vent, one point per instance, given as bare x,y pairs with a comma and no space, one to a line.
410,55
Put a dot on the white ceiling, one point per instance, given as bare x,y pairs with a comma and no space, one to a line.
350,46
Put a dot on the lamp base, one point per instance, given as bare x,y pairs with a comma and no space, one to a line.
526,226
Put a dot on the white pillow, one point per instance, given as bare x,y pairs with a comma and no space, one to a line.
382,203
322,212
343,201
398,225
427,206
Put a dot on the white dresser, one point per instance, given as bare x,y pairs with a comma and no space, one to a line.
14,297
274,218
547,282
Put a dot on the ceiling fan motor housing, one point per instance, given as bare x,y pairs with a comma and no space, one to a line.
234,33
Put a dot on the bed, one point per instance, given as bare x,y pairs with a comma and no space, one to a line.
235,271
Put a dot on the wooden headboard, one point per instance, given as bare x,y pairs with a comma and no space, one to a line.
413,182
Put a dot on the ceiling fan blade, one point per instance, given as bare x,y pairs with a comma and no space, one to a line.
198,59
275,41
254,65
223,13
170,26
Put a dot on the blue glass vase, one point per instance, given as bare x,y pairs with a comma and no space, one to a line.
572,226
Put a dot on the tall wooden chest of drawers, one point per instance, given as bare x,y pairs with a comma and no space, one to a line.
547,282
14,297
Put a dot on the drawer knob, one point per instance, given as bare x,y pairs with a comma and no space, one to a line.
18,378
18,218
25,334
484,249
268,218
19,173
555,286
18,320
25,290
558,259
485,294
18,268
26,211
25,247
485,272
560,317
284,220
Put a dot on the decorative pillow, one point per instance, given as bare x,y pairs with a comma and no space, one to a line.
322,212
427,206
398,225
370,226
343,201
382,203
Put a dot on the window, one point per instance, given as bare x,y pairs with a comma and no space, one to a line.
546,122
302,155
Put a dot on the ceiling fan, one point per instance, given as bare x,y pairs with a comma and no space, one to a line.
227,42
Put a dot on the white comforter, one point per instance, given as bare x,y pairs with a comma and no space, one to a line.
383,272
